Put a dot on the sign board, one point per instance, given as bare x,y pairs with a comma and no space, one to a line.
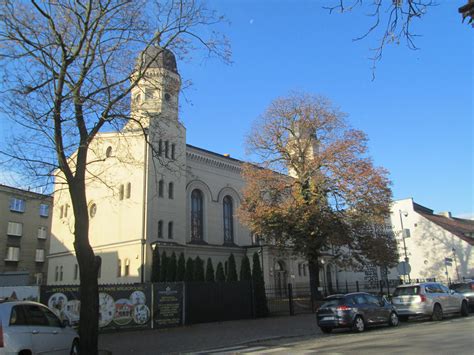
120,306
403,268
167,304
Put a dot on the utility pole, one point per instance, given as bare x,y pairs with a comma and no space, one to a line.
404,245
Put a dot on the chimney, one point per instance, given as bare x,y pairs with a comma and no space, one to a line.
445,214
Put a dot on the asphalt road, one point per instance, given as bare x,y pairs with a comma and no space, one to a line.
450,336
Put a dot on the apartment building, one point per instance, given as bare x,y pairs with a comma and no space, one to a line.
25,225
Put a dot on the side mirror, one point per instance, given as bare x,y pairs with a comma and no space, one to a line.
452,292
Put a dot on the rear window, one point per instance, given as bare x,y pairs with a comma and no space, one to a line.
407,291
334,302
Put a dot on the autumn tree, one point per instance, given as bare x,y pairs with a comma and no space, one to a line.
68,68
315,189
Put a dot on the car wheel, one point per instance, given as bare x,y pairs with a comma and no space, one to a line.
326,330
359,325
403,318
464,309
75,347
393,320
437,313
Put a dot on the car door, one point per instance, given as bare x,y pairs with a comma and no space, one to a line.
453,300
19,332
377,311
45,333
443,297
61,337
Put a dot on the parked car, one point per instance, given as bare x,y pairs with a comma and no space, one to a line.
356,311
467,289
428,299
32,328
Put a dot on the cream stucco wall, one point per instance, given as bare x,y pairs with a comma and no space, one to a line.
115,187
429,245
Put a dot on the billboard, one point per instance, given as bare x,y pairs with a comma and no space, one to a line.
120,306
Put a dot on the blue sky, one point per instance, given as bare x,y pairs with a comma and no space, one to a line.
417,112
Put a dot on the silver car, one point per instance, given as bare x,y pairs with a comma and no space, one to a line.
428,299
32,328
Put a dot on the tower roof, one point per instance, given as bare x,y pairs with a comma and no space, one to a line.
157,57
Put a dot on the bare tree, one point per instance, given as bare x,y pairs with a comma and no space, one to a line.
392,21
314,188
68,70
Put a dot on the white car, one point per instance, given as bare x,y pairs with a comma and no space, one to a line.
32,328
429,299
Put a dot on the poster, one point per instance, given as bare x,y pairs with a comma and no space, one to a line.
120,306
168,304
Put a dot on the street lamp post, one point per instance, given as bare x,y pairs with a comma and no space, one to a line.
404,245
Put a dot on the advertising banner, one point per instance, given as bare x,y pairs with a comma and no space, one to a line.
120,306
168,304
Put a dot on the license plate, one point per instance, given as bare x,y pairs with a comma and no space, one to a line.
327,318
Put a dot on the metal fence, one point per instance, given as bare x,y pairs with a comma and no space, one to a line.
297,299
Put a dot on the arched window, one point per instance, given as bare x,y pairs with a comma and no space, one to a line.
196,216
228,220
160,229
171,190
170,230
161,187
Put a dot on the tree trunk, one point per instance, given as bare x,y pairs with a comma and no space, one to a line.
314,278
88,266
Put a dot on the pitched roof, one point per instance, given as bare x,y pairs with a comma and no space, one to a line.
462,228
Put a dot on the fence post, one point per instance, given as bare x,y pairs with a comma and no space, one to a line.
347,287
290,299
357,286
381,287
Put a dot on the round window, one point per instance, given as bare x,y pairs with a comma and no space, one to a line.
92,210
167,97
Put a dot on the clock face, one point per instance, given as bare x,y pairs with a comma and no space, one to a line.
106,309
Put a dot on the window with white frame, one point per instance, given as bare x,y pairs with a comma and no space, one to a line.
15,229
17,205
39,256
42,232
13,254
44,210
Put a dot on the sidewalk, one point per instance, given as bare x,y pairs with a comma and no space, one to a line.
200,337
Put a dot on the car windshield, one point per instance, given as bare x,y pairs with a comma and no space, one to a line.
333,302
407,291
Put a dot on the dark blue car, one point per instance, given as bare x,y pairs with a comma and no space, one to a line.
356,311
